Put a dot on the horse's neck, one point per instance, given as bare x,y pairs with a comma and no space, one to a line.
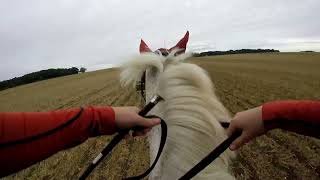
154,135
193,131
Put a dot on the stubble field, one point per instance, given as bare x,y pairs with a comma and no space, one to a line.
241,82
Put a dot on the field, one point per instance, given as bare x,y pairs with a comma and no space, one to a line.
241,82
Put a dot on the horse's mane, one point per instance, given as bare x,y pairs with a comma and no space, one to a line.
192,112
132,70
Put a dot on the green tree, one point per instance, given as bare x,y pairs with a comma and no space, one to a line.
82,69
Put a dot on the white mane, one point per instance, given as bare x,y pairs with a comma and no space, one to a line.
192,112
133,69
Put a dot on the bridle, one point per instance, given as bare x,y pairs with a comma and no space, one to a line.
141,86
191,173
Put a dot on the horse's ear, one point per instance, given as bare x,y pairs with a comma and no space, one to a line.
182,44
144,47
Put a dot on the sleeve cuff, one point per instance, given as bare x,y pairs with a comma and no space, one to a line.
269,115
105,118
275,113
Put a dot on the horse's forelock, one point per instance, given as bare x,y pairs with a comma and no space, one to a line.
133,69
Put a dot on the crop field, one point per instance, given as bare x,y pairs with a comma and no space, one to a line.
241,82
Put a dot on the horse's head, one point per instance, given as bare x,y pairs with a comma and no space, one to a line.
143,71
191,110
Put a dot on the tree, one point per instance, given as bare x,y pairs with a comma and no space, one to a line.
82,69
38,76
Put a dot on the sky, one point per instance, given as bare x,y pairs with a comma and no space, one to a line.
98,34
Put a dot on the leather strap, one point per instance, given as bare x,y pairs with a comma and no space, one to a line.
164,130
210,157
116,140
190,174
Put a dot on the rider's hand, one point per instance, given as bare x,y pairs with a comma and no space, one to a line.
127,117
251,124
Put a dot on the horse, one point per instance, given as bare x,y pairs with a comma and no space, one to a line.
191,110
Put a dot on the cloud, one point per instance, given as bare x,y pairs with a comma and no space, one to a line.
201,46
36,35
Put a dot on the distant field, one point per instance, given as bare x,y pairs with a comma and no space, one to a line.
241,81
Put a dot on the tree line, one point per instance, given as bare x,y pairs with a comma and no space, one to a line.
39,76
240,51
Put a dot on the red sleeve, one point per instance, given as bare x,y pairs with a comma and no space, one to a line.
299,116
41,134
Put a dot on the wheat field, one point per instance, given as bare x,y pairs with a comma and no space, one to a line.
241,82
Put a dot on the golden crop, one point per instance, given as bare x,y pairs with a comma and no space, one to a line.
241,82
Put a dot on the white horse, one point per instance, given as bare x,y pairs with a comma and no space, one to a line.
192,112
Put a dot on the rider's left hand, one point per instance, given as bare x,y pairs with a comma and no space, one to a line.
127,118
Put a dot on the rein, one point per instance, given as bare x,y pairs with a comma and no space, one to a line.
215,153
122,134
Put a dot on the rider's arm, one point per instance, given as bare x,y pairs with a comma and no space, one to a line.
302,117
14,127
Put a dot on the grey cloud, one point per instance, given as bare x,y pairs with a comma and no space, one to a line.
36,34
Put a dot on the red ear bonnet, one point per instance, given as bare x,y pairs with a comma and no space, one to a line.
182,44
144,47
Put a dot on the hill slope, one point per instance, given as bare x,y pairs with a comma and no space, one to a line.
241,81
